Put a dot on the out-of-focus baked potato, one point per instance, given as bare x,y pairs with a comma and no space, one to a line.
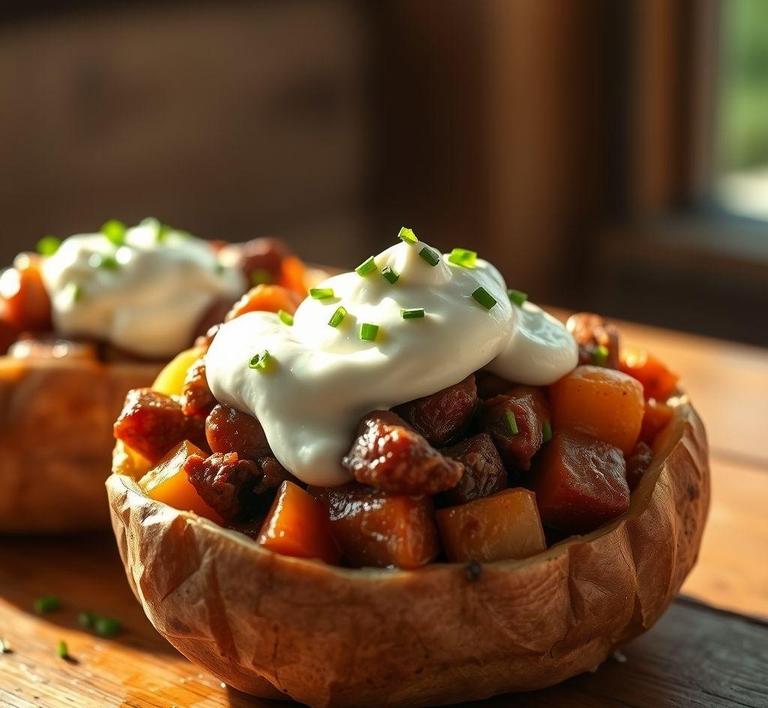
277,626
56,420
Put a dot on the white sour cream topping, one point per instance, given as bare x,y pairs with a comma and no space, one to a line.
146,295
322,380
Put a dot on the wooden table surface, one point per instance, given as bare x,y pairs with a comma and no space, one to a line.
710,649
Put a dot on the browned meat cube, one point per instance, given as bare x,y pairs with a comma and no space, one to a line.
444,415
580,483
152,423
490,385
229,430
378,529
598,341
390,456
484,472
196,397
516,421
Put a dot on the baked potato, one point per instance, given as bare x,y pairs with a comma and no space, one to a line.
73,341
282,627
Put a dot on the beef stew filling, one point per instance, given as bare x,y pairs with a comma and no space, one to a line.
474,472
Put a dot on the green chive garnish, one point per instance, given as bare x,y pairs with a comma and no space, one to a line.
430,256
390,275
99,260
285,317
321,293
260,361
463,257
485,298
114,230
600,355
48,245
260,276
62,650
77,291
107,626
517,297
412,313
367,267
511,423
46,604
338,317
368,332
86,620
407,235
546,431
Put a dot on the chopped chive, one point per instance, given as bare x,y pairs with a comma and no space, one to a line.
46,604
367,267
86,620
99,260
107,626
285,317
600,355
48,245
260,276
485,298
407,235
260,361
162,232
546,431
412,313
338,317
511,423
219,268
321,293
390,275
430,256
114,230
5,646
77,292
62,650
517,297
463,257
368,331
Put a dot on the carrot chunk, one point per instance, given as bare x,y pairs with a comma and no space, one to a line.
167,482
26,303
658,381
265,298
504,525
603,403
297,525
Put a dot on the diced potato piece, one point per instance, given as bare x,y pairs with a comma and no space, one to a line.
374,528
658,381
603,403
580,482
297,525
170,380
167,482
503,526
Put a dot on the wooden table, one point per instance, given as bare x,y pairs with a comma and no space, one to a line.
711,648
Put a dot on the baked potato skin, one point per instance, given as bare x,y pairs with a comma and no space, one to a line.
56,420
275,626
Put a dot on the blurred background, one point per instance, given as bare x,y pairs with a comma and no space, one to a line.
605,154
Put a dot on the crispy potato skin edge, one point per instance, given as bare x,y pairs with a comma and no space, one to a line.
275,626
56,439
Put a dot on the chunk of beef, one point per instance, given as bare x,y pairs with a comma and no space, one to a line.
260,259
638,463
580,482
233,487
484,472
152,423
515,421
390,456
490,385
598,341
374,528
212,317
196,397
229,430
444,415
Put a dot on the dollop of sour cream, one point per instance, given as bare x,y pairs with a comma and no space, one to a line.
320,380
144,292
